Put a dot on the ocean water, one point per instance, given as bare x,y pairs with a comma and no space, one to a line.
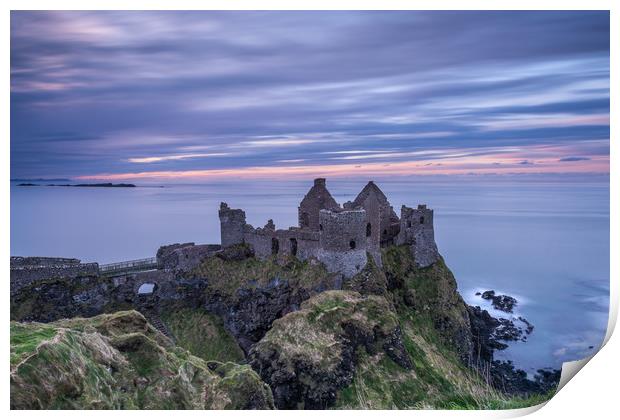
543,240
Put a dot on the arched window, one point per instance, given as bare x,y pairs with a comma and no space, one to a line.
293,246
368,229
352,244
275,246
146,289
320,227
421,220
409,223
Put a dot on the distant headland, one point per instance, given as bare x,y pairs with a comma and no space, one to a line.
104,185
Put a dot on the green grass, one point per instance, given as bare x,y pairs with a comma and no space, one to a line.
26,337
117,361
203,334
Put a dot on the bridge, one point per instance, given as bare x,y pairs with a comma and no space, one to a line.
128,267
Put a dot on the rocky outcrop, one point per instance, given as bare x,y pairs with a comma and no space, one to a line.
310,354
483,327
503,303
249,294
248,315
512,381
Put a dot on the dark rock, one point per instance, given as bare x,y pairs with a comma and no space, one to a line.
506,378
483,326
503,303
249,314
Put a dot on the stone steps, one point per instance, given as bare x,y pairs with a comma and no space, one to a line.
153,318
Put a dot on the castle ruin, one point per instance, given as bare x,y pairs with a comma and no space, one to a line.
342,238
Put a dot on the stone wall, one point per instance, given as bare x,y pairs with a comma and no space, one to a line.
184,257
416,230
342,241
42,261
26,270
164,251
339,237
232,223
269,241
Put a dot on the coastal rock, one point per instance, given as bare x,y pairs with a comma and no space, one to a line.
503,303
512,381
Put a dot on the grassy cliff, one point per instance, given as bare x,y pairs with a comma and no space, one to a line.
396,336
119,361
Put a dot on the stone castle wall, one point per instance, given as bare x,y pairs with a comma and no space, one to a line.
232,223
339,241
340,237
417,231
42,261
26,270
267,242
342,241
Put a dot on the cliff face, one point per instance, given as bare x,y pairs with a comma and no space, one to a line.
256,334
310,354
430,296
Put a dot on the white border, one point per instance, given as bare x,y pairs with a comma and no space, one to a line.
592,395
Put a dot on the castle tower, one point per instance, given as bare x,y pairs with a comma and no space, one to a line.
317,199
232,223
342,241
417,231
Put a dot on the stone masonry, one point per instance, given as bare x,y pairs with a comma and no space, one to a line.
339,237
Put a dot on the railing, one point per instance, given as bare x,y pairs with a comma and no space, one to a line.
128,266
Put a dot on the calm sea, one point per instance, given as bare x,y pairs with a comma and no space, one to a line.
544,240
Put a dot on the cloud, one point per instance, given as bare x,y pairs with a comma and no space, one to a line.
153,159
573,159
129,89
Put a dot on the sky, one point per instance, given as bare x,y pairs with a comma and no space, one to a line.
207,95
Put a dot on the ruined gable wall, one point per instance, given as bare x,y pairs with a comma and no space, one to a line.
417,231
380,213
317,199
